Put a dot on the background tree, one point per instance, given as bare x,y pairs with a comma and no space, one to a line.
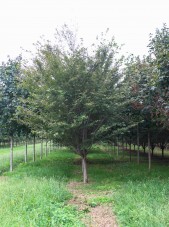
159,46
9,100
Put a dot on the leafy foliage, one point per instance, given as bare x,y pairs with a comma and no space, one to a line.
9,96
72,92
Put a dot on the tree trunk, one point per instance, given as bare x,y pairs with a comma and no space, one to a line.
34,141
144,148
162,153
26,149
84,170
130,148
50,146
41,149
149,152
130,151
123,147
162,146
114,147
152,151
53,147
11,153
117,146
138,145
46,149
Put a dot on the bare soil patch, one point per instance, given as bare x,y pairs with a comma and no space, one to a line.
98,216
102,216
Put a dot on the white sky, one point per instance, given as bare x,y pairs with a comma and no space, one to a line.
22,22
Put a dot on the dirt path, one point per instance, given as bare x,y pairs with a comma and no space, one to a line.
97,215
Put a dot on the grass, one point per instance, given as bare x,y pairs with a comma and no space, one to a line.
35,202
19,153
139,197
36,194
143,203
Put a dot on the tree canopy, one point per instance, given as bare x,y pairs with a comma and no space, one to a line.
79,96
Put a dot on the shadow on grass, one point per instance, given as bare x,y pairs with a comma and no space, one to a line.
107,172
103,170
58,165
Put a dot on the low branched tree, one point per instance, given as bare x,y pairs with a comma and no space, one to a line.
72,91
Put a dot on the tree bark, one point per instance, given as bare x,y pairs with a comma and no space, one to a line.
50,146
149,152
26,149
41,149
130,148
144,149
138,145
46,149
53,147
162,153
34,141
83,154
130,151
117,146
84,170
123,147
162,147
11,153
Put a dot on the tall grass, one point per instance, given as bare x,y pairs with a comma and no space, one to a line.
36,202
143,204
140,198
35,194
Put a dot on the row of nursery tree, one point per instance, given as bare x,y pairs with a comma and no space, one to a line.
79,96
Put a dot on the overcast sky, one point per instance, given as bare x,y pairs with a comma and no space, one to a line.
22,22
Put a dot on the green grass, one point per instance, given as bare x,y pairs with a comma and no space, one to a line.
19,149
143,203
35,202
36,194
18,155
140,198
